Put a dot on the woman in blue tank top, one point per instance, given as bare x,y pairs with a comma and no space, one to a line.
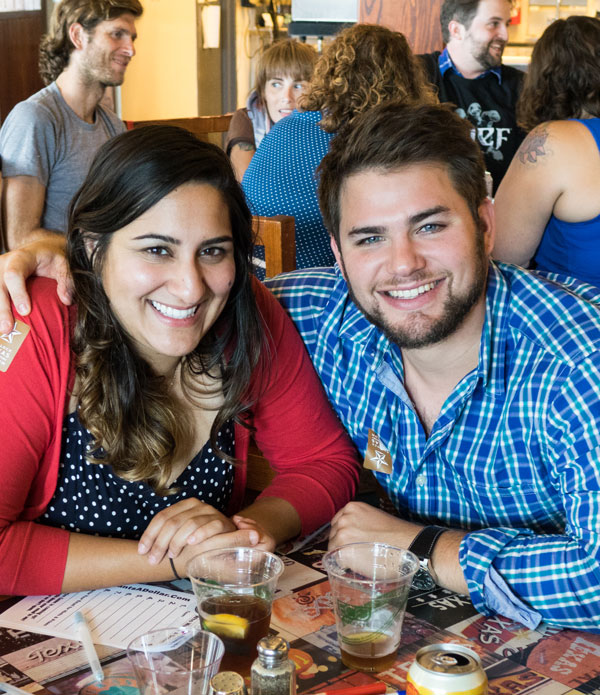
548,204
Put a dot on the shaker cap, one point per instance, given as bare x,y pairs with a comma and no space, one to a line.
227,683
273,647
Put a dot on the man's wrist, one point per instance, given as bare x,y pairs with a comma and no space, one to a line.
423,545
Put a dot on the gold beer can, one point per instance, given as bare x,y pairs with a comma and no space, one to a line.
446,669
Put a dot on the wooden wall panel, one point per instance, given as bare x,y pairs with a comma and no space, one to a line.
20,34
418,20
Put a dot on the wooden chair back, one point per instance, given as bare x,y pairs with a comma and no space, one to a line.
205,128
278,237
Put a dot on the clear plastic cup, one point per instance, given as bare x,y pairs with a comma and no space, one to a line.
234,588
175,660
369,586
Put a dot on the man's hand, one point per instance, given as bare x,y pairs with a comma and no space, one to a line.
44,257
359,522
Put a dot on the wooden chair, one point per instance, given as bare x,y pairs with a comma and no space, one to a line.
278,237
205,128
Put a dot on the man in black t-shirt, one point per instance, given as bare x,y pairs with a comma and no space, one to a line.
469,73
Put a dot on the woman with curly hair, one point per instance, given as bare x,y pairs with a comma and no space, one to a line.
548,204
365,65
126,417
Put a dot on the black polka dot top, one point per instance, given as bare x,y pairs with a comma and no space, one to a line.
90,498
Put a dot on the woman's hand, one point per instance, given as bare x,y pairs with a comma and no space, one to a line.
194,523
264,539
188,522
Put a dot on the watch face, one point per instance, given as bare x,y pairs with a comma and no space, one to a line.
423,581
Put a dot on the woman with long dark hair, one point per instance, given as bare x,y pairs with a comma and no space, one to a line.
548,204
127,416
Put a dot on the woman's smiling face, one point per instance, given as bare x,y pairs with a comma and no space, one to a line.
168,273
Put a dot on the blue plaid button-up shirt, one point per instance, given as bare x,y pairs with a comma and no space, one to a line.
514,456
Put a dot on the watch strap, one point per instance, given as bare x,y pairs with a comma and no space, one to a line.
424,542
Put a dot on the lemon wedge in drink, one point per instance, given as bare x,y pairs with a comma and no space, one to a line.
226,625
364,638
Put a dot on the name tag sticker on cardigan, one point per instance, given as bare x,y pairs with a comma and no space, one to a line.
10,344
377,457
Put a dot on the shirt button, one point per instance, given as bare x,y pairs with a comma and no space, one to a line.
421,480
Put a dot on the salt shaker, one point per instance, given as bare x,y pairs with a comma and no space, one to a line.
272,672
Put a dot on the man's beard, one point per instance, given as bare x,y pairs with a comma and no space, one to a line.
95,71
486,59
456,309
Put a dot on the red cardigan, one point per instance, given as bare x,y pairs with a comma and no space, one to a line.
296,429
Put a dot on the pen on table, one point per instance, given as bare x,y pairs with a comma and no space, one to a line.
85,637
12,689
369,689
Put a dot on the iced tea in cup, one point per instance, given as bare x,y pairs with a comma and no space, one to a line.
234,588
369,588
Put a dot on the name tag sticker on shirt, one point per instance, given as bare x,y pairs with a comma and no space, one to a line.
10,344
377,457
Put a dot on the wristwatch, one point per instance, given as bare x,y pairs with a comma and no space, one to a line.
422,546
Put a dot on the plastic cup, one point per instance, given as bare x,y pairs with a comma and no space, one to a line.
175,660
234,588
369,587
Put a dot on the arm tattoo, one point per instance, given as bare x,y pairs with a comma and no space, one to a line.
246,146
534,146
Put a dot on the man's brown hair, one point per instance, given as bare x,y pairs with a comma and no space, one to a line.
392,136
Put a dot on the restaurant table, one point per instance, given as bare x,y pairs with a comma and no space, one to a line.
518,661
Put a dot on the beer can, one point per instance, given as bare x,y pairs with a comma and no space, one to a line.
446,669
227,683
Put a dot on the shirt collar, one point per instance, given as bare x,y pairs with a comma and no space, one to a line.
445,63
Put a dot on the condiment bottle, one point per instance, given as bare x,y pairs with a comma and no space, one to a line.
273,673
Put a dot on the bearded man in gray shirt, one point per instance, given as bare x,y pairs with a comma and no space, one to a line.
48,141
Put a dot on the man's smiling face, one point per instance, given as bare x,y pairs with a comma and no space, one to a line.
414,258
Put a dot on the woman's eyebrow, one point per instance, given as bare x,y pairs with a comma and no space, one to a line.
159,237
172,240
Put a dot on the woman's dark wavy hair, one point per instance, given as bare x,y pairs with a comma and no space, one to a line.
365,65
563,80
138,426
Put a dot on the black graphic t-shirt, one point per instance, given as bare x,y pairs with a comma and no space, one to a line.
489,104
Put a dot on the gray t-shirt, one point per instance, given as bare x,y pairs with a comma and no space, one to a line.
43,137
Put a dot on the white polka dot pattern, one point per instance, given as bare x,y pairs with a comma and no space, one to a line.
90,498
281,180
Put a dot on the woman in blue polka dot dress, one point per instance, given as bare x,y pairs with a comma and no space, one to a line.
126,417
365,65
